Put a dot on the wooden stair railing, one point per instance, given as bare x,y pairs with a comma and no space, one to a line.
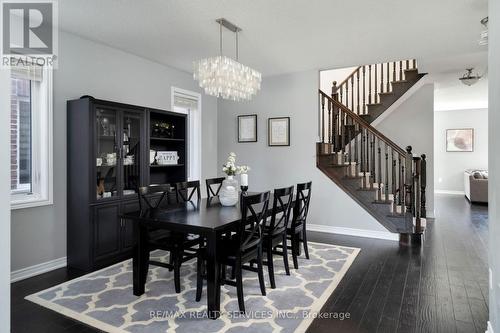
362,87
395,175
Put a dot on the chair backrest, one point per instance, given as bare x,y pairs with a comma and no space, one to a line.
282,203
186,190
214,181
148,196
302,200
254,215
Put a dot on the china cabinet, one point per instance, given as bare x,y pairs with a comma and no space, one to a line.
113,149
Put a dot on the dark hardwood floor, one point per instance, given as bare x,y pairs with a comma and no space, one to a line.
440,287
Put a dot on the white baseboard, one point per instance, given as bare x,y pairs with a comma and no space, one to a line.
353,232
490,328
449,192
37,269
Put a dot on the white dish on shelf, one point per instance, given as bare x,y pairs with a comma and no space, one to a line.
128,192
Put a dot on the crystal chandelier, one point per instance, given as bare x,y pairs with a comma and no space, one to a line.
224,77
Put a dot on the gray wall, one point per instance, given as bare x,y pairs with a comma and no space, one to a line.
294,95
411,124
85,67
494,161
4,201
450,166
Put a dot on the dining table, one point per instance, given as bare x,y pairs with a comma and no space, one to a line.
204,217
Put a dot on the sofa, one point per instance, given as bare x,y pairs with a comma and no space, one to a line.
476,185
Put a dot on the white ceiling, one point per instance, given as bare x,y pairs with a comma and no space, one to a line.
282,36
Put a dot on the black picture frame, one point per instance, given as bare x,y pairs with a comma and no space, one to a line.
241,131
273,141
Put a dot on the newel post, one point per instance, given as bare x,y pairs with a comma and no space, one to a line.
423,184
409,180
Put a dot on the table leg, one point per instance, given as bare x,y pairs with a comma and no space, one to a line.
140,261
213,283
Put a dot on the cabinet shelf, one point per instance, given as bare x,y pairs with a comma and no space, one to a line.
166,165
154,138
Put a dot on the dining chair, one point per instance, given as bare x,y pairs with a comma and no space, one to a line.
211,182
242,247
275,233
181,248
185,191
297,230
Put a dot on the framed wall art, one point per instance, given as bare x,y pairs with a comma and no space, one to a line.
279,131
460,140
247,128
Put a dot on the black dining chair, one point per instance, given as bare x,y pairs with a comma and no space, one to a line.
275,233
185,191
181,249
211,183
297,230
242,247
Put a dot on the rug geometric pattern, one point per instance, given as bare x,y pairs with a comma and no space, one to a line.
104,299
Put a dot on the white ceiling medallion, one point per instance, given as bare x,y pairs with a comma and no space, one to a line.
224,77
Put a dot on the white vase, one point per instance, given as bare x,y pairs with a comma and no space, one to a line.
229,193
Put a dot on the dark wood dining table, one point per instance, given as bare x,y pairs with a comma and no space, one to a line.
205,217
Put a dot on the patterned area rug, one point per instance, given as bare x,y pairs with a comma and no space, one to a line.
104,299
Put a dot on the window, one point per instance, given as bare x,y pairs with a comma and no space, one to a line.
188,102
31,137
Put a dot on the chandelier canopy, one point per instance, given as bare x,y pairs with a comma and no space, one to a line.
224,77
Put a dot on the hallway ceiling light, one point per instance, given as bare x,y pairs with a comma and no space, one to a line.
224,77
469,78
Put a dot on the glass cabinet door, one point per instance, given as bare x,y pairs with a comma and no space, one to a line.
131,152
107,157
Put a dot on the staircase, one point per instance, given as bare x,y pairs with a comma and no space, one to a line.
387,181
371,89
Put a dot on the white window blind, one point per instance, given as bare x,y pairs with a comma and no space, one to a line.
33,73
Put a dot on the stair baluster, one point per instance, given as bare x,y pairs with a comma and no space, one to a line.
381,78
417,184
363,109
401,70
388,78
423,185
379,159
369,86
375,99
394,71
386,183
349,140
414,63
407,64
322,119
363,172
357,92
352,93
347,95
400,183
393,183
409,180
372,161
356,159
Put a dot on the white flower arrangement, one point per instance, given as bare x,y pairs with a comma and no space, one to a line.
230,168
